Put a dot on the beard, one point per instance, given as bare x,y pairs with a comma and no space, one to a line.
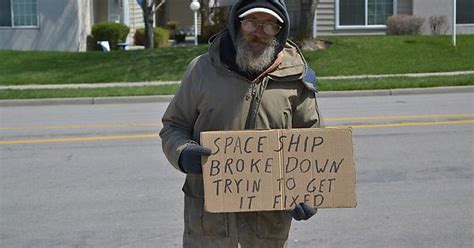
255,59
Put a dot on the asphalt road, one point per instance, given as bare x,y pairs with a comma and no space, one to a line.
95,176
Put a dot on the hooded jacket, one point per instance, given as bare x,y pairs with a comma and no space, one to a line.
214,96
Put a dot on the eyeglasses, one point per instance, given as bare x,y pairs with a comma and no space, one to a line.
270,28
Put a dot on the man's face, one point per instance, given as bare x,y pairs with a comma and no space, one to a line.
261,37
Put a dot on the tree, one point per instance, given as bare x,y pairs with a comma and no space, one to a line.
308,11
149,8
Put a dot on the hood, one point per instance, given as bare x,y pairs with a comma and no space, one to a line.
243,5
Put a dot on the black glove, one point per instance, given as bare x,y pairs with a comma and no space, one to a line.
190,158
303,212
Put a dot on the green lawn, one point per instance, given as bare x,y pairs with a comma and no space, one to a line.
95,67
347,56
393,54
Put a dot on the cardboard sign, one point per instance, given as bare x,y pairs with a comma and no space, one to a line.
276,169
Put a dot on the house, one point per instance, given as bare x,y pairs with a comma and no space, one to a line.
61,25
350,17
355,17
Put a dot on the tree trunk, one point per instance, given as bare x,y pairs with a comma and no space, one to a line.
308,9
204,11
149,21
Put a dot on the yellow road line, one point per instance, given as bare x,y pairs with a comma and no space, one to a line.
399,117
159,124
412,124
80,139
155,135
81,126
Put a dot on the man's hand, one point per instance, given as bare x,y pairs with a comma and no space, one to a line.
303,212
190,158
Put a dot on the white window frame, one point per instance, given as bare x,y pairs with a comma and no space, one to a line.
12,16
366,21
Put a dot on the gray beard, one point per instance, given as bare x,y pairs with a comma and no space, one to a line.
249,60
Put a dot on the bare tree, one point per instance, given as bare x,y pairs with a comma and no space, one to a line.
149,8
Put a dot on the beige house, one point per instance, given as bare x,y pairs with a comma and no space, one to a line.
351,17
63,25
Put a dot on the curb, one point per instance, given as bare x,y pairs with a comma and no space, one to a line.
85,100
167,98
398,92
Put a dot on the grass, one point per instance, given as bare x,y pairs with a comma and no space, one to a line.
347,56
18,68
393,54
395,83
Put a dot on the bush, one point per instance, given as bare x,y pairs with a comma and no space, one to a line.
172,26
109,31
438,25
160,37
404,25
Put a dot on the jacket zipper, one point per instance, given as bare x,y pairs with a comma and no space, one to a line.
251,122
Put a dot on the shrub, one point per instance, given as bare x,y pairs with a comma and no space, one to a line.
160,37
109,31
438,25
404,25
172,26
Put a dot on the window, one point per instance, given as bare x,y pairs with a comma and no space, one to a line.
351,12
18,13
364,12
465,12
5,13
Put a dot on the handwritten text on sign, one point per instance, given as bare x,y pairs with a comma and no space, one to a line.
276,169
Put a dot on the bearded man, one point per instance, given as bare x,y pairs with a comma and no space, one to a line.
252,77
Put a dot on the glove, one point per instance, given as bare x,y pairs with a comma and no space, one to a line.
303,212
190,158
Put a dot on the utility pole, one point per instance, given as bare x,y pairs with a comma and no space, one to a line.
453,41
195,6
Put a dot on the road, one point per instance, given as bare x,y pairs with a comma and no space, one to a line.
95,176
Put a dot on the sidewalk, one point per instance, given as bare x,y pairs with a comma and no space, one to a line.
158,83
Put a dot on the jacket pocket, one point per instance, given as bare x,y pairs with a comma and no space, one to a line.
198,221
273,225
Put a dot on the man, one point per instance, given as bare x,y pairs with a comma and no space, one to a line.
251,78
